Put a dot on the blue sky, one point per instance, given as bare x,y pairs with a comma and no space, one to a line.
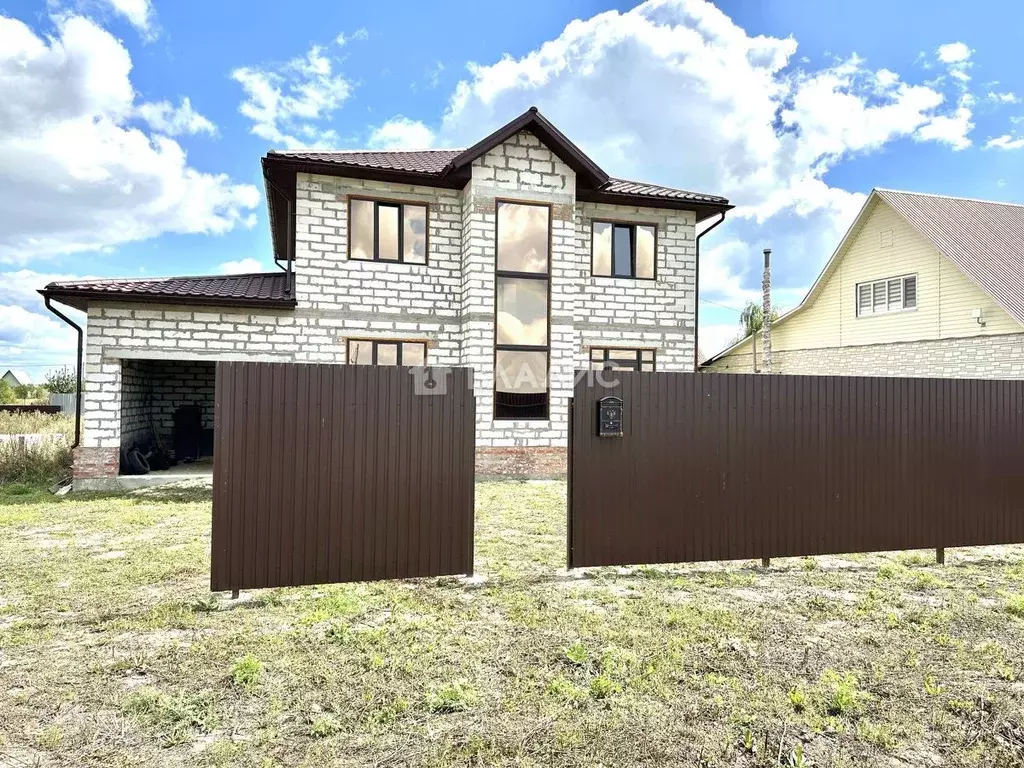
131,130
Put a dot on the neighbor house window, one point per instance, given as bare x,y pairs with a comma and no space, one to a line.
623,250
894,294
373,352
380,230
621,359
521,336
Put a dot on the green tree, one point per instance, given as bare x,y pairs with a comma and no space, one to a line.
752,318
62,381
23,391
6,392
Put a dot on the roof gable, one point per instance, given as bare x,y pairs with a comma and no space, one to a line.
985,240
532,120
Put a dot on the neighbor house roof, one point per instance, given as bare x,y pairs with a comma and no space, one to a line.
451,168
983,238
260,289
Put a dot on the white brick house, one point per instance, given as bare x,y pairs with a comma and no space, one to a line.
409,256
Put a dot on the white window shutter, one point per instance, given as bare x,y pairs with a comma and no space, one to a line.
864,299
895,294
910,291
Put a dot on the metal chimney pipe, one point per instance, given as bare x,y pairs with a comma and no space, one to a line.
766,308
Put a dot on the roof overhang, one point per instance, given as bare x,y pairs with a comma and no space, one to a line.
81,299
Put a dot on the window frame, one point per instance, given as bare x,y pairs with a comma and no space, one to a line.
376,342
638,351
389,203
632,256
887,280
546,276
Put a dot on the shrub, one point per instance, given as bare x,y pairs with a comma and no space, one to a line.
6,392
39,462
62,382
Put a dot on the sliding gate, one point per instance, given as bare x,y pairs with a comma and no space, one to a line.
734,466
329,473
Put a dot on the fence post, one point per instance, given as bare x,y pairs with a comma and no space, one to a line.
940,555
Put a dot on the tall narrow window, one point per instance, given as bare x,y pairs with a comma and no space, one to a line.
522,332
379,230
623,250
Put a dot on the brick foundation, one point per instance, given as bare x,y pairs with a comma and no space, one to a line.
521,463
91,463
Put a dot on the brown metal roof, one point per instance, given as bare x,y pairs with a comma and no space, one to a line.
450,168
984,239
259,289
638,188
430,161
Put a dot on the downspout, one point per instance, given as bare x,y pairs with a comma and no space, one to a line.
78,368
696,296
289,248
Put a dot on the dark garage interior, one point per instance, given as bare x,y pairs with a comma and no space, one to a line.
167,410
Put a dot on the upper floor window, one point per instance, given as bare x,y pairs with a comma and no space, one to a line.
383,230
894,294
621,359
623,250
386,352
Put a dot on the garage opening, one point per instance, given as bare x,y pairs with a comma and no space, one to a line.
167,410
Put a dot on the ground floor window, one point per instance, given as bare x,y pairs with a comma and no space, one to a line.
616,359
386,352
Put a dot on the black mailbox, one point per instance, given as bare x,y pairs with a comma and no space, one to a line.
609,417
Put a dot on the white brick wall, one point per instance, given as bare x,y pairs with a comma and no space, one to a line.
449,301
978,357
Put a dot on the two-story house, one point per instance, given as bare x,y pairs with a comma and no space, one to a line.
518,257
921,285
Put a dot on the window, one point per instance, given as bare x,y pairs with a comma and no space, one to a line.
894,294
621,359
521,333
623,250
379,230
372,352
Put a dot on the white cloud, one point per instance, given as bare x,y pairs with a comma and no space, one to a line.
74,175
285,103
241,267
957,58
953,53
1007,97
30,336
163,117
1006,141
714,109
140,15
401,133
949,129
359,34
715,337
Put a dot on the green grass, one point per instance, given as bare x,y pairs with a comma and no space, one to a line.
38,464
114,653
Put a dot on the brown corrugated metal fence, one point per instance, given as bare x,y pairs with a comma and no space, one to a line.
732,466
328,473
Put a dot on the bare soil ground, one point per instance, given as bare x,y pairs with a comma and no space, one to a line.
114,653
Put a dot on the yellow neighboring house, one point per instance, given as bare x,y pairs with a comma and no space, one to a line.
921,285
